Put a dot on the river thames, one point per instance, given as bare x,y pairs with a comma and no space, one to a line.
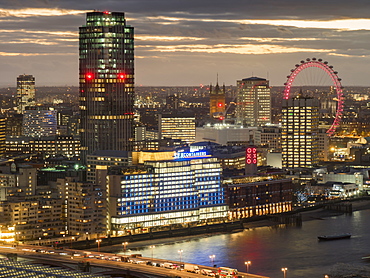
271,248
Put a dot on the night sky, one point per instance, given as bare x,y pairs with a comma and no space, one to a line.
188,42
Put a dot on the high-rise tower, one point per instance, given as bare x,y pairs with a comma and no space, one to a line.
300,127
25,92
106,83
254,102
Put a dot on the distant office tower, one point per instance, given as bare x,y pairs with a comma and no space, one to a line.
39,122
106,83
176,126
300,139
2,134
25,92
14,124
217,101
253,102
172,102
271,138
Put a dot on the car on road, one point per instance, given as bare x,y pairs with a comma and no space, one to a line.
208,272
169,265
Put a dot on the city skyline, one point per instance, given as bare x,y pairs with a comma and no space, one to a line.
188,43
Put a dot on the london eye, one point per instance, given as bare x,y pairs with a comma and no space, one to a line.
328,71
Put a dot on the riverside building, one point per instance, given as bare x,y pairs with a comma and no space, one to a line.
179,192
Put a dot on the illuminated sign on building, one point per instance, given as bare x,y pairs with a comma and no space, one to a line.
251,155
181,155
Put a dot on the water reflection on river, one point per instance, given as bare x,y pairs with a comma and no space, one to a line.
271,248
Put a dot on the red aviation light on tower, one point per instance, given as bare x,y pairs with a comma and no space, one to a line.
220,104
121,76
89,76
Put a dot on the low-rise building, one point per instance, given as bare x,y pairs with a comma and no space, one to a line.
84,207
249,196
226,134
101,160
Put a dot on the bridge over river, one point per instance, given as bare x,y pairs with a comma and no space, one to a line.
107,264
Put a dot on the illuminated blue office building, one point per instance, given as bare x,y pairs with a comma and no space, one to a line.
184,190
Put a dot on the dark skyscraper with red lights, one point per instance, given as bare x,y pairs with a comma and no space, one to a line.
106,47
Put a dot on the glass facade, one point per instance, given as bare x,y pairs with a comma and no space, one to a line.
170,192
106,83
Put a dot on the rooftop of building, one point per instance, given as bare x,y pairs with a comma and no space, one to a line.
110,153
178,115
227,126
204,143
254,78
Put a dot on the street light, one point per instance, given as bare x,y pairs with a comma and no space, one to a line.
73,238
180,252
284,269
39,240
212,258
247,265
98,242
152,247
124,244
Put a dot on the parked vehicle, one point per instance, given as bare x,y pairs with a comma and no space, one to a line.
191,268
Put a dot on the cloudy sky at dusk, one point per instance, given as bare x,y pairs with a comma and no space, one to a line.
189,42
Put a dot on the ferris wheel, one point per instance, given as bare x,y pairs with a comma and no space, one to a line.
335,80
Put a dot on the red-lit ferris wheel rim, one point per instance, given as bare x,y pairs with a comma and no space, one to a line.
318,63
